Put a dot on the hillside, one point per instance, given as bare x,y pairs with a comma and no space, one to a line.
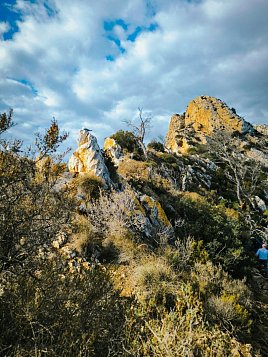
134,251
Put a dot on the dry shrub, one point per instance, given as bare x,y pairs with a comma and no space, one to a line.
156,331
118,224
82,234
124,245
115,213
87,185
134,170
227,301
227,310
154,277
181,256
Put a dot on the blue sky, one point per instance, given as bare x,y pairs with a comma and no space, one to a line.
93,63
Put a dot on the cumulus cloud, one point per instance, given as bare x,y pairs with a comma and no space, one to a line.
94,63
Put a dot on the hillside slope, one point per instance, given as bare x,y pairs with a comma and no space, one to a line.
127,254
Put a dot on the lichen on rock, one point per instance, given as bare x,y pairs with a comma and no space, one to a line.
113,150
204,115
88,158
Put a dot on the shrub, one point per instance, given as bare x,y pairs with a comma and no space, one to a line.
186,252
229,312
32,211
60,313
128,142
154,278
156,145
87,186
221,234
134,170
227,301
153,330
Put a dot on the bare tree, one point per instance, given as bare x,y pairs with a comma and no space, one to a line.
243,171
140,129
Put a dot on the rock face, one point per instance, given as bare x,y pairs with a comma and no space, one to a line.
112,150
175,142
88,158
203,116
263,129
207,114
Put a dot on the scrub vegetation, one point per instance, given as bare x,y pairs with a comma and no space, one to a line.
89,270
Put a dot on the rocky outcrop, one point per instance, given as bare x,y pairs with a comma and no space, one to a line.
154,212
112,150
262,128
204,115
88,158
175,140
207,114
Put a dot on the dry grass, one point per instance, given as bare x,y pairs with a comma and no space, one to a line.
134,170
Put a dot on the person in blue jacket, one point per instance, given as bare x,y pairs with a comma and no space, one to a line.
262,254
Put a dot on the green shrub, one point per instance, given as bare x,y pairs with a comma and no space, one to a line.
221,233
156,145
153,330
128,142
62,313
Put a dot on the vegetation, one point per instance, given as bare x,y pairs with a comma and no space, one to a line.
127,141
160,264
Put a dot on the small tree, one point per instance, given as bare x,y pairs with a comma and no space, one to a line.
49,142
140,129
6,121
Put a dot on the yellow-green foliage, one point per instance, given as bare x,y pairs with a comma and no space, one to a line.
134,170
88,185
194,197
232,214
153,330
154,277
227,300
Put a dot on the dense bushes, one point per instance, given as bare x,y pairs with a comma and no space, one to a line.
223,234
61,314
118,285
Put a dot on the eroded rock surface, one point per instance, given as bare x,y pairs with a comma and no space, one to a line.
88,158
204,115
113,150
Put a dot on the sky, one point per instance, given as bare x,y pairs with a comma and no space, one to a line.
93,63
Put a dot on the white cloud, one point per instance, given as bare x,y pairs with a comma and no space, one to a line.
4,27
214,47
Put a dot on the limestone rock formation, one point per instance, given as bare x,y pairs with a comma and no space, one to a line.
175,142
203,116
155,212
88,158
262,128
207,114
113,150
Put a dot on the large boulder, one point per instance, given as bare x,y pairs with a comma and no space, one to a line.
204,115
88,158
